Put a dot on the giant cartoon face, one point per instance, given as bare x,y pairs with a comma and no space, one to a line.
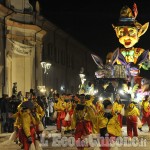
128,30
128,36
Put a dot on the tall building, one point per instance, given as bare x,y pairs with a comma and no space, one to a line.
36,53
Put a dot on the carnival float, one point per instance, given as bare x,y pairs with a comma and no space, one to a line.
121,71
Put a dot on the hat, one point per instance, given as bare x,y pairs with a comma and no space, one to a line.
27,105
106,103
127,18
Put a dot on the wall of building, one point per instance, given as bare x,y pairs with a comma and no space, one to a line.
67,56
53,45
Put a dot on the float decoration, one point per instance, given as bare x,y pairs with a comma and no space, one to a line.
85,87
128,31
132,90
105,70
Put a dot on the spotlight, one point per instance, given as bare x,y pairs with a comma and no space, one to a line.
100,98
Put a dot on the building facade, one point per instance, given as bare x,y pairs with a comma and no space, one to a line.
26,40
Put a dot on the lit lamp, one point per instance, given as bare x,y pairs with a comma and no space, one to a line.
82,77
42,89
45,65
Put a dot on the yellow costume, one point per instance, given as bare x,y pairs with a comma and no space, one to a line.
146,111
117,107
83,120
27,120
132,114
112,125
99,107
146,106
60,107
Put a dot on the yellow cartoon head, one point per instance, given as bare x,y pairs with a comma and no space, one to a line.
128,30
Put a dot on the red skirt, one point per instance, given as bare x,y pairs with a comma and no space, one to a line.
23,138
83,128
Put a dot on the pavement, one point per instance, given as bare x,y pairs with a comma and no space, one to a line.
50,140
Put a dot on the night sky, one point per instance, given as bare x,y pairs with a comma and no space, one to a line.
90,22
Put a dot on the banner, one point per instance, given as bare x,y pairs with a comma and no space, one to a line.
20,48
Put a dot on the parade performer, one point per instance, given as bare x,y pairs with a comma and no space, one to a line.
117,108
27,108
89,101
82,122
69,112
108,125
39,114
146,111
99,106
17,126
132,113
27,131
60,106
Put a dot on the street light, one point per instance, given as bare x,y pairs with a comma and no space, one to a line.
45,65
82,77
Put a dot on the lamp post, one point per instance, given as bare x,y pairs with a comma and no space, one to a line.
82,77
46,66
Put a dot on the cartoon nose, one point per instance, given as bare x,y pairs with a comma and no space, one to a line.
126,32
126,37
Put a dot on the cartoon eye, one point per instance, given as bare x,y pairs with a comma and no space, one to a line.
132,32
121,33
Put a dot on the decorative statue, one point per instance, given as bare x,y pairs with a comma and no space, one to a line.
85,87
129,31
105,70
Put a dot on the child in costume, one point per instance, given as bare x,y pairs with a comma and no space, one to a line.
132,113
27,130
82,120
69,112
146,111
108,125
27,125
117,108
60,106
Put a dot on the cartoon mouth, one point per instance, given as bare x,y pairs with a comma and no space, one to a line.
127,42
134,72
99,75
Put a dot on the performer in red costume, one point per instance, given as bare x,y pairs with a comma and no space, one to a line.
117,108
146,112
132,114
28,125
82,120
